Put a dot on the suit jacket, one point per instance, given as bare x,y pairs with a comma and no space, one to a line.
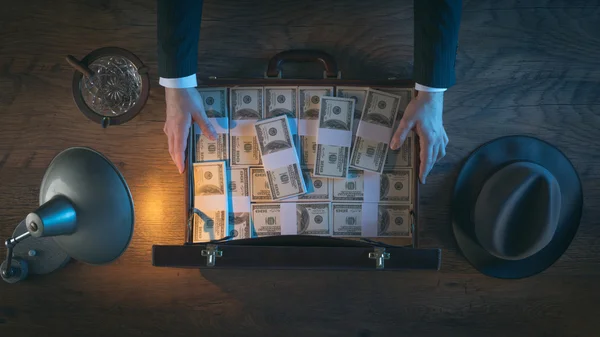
435,44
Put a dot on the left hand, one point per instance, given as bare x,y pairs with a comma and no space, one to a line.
424,114
184,106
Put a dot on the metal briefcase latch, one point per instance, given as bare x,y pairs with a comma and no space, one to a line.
211,252
379,255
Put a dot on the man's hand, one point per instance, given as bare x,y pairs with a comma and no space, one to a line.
424,114
184,106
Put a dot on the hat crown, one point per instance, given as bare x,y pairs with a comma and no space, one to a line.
516,213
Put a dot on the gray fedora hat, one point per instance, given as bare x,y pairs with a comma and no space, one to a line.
516,206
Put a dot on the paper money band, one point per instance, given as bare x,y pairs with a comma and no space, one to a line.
369,219
288,216
308,127
240,204
372,182
334,137
221,124
211,202
374,132
243,127
280,159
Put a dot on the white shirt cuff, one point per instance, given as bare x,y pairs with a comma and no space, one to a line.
420,87
177,83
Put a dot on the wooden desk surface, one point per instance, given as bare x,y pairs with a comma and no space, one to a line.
523,68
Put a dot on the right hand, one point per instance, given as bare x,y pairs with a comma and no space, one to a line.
424,115
184,106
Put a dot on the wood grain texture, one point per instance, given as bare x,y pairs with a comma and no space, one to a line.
524,67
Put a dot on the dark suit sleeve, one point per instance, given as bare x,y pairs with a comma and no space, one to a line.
178,28
436,40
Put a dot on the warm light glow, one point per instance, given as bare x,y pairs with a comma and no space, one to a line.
156,210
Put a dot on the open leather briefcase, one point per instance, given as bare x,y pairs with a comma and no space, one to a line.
241,244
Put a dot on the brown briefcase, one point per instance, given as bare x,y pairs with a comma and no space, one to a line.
299,251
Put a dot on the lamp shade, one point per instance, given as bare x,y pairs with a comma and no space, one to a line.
100,205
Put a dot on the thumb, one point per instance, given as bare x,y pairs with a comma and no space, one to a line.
205,125
401,133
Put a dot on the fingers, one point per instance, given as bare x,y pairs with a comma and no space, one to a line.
432,161
169,140
179,140
401,133
443,146
427,158
205,125
441,153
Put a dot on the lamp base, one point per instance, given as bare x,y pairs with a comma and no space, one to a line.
19,269
42,254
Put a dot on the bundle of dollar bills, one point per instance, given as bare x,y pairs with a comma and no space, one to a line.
334,137
246,109
309,99
292,219
394,185
279,157
303,161
239,215
283,101
215,105
318,188
371,220
211,200
375,130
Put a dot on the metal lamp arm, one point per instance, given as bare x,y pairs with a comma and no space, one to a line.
10,245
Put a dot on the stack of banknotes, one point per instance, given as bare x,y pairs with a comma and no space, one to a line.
303,160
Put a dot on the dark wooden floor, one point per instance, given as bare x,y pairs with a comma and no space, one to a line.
524,67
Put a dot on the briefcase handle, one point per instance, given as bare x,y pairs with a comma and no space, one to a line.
328,62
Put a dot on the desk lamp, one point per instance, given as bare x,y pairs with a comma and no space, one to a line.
86,212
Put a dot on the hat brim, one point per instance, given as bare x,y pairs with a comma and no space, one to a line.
484,162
